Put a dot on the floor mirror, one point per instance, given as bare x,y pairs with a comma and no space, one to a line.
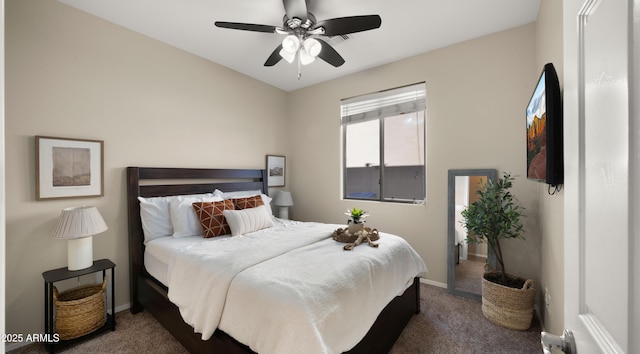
466,262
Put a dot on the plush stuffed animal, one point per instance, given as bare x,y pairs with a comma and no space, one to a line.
352,240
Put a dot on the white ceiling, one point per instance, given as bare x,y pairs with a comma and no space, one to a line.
409,27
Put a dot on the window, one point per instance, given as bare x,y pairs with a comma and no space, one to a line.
384,145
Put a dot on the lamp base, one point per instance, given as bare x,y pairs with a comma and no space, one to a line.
284,213
80,253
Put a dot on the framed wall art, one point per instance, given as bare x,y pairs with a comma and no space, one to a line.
69,168
275,170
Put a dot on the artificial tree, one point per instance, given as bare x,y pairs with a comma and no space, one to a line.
493,217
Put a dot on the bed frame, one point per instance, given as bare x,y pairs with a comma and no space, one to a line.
148,293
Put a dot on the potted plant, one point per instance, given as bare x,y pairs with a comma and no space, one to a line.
507,299
355,222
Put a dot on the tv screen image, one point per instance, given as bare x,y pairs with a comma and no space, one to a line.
537,133
544,130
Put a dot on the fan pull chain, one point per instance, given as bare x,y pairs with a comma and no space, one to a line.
299,67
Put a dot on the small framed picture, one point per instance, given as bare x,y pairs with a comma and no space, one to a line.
69,168
275,170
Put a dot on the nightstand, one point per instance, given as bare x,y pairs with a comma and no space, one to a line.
59,274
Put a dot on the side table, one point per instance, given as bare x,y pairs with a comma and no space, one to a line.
59,274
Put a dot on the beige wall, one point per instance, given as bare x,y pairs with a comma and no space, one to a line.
549,46
477,92
69,74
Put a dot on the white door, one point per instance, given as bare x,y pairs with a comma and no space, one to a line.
601,196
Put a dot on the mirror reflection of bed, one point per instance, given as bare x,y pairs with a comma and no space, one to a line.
466,261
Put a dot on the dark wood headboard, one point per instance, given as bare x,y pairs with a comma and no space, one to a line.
157,182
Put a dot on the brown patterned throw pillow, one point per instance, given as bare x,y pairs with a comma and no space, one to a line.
248,202
211,217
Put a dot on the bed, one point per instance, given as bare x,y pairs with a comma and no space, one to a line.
153,295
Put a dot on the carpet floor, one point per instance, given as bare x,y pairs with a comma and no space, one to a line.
468,275
447,324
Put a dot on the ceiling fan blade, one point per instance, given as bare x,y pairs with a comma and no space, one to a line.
329,54
296,9
246,26
274,58
351,24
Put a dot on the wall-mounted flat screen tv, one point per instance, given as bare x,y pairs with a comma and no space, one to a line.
545,162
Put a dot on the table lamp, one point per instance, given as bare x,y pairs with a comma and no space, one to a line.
284,201
78,225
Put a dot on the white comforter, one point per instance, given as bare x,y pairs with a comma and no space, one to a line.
290,287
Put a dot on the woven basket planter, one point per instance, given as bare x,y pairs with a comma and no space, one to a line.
508,307
80,310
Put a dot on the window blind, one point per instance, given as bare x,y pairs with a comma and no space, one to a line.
406,99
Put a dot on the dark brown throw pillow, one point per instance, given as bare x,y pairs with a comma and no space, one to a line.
211,217
248,202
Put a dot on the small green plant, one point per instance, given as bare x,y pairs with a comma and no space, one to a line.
493,217
356,214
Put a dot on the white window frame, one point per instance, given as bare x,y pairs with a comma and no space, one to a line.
377,106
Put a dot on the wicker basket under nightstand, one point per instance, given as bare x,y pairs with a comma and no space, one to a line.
90,294
80,310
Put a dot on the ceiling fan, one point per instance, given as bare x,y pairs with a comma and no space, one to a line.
303,32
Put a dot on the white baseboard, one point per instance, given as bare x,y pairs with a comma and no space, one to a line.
14,346
121,307
433,282
536,312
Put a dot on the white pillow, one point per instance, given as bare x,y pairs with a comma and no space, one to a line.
248,220
266,200
184,218
154,214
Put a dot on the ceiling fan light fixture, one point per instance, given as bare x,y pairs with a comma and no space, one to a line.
305,57
312,47
291,44
298,26
289,57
